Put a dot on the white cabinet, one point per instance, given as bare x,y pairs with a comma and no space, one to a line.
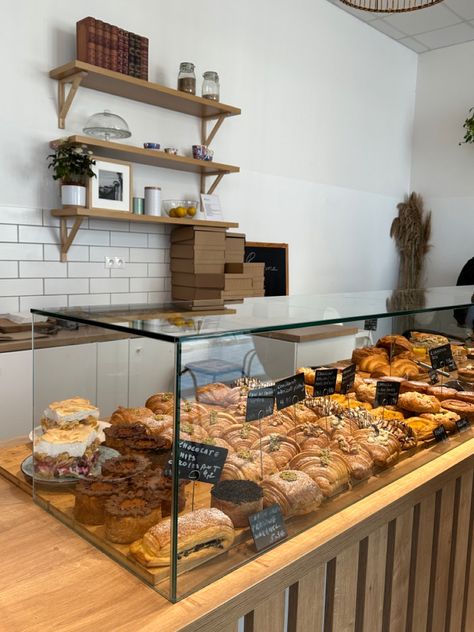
16,397
152,369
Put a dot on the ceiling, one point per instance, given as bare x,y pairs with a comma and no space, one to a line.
445,24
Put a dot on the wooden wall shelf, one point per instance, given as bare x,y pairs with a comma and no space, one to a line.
79,213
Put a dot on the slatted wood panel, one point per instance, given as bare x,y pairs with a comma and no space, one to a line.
414,573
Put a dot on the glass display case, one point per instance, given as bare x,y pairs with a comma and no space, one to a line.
184,443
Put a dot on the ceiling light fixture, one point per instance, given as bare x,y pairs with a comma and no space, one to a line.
390,6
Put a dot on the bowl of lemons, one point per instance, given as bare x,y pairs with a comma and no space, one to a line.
180,208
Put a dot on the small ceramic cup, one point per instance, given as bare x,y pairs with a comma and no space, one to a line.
171,150
202,152
151,145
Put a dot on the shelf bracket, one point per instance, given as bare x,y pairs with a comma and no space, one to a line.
206,139
65,102
67,238
213,186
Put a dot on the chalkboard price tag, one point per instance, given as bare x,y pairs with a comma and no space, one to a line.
290,391
386,393
463,424
267,527
325,382
348,377
370,324
199,461
434,379
440,433
260,402
442,358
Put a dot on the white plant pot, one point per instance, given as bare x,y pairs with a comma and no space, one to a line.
73,195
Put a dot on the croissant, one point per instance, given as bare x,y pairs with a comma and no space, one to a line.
277,423
124,416
294,491
216,422
161,403
363,352
218,394
251,465
337,424
325,467
382,446
201,534
304,433
241,436
372,363
192,432
299,414
405,368
281,449
358,461
396,343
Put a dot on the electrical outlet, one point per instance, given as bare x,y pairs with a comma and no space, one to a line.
109,262
119,262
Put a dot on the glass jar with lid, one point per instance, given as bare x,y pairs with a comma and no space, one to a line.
187,78
210,85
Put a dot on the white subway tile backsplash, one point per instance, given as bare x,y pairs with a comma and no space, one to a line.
8,269
130,270
41,302
158,270
18,215
32,252
97,224
139,227
8,232
30,269
129,239
168,284
109,285
149,284
92,238
66,286
20,287
49,220
9,304
75,253
158,241
146,255
86,269
79,300
126,299
39,234
99,254
159,297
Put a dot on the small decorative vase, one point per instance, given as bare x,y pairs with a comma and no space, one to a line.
73,195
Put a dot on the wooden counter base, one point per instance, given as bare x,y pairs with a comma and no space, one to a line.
398,560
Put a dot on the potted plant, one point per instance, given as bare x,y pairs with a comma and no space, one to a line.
469,127
72,166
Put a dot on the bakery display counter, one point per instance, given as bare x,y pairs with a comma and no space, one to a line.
190,465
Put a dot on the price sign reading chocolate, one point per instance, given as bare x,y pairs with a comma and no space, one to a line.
260,402
463,424
442,358
199,461
370,324
386,393
325,382
290,391
434,379
267,527
348,377
440,433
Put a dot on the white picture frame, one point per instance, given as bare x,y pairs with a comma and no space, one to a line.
111,189
211,206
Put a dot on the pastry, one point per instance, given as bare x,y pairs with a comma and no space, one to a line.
154,425
404,368
282,449
192,432
333,424
419,403
358,461
446,417
366,391
308,374
363,352
325,467
408,386
277,423
159,486
218,442
161,403
238,499
309,436
372,363
218,394
399,429
128,516
294,491
241,436
215,422
121,466
299,413
383,447
427,340
135,438
462,408
69,412
465,396
252,465
442,392
395,344
60,452
466,373
422,427
90,496
124,416
201,534
387,412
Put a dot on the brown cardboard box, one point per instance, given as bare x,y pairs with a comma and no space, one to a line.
199,237
234,268
189,266
182,292
199,255
234,256
199,280
255,269
238,282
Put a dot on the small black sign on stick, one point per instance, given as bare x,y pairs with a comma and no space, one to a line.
442,358
267,527
463,424
325,382
199,461
290,391
260,402
348,377
370,324
386,393
440,433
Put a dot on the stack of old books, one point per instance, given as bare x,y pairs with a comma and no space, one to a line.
111,47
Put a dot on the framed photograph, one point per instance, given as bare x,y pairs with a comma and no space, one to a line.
211,206
112,187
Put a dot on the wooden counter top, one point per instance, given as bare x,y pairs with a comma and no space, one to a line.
64,337
53,579
307,334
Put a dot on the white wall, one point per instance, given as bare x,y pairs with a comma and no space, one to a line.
442,170
323,141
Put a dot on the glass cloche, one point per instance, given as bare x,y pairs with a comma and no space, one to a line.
107,126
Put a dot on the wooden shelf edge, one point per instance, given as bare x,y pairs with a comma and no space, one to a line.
83,212
118,80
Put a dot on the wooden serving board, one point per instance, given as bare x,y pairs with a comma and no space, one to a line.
8,326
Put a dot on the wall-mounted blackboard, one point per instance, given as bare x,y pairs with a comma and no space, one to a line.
275,258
